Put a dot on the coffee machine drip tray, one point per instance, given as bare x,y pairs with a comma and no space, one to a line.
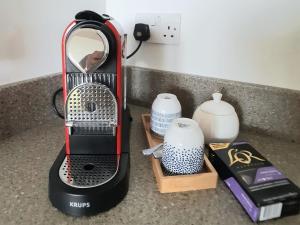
87,171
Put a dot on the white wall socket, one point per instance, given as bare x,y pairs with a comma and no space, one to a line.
164,28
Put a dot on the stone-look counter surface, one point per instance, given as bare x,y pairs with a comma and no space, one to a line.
26,158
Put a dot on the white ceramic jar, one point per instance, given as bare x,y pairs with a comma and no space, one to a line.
183,147
218,120
165,109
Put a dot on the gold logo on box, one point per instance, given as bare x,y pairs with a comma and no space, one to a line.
218,146
242,156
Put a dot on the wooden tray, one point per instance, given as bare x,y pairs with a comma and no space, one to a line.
178,183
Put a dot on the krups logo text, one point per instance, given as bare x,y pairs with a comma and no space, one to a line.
242,156
80,204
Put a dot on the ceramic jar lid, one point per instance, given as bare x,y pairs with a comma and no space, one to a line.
217,106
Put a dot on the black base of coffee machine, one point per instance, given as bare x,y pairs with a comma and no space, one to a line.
78,201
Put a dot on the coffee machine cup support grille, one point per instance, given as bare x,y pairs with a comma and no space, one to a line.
89,170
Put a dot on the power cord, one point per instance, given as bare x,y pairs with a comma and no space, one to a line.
54,106
135,51
141,33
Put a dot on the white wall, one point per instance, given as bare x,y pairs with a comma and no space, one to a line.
252,40
31,31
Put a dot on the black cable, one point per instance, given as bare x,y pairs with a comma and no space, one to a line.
138,47
54,96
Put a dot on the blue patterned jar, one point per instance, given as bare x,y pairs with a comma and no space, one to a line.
183,149
165,109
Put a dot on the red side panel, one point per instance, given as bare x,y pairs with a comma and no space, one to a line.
119,84
64,78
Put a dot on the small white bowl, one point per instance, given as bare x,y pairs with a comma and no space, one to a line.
183,149
218,120
165,109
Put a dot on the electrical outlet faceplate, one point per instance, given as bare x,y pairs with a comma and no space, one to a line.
164,28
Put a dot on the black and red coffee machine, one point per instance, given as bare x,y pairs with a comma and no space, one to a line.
91,172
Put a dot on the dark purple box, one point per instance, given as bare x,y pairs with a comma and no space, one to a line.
263,191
